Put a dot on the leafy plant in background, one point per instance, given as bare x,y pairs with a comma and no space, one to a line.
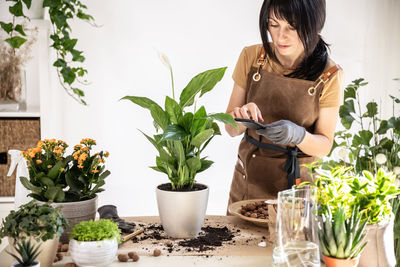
339,187
56,178
42,222
377,142
341,237
26,254
13,28
61,12
102,229
183,134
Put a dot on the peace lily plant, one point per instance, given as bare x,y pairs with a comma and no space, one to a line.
181,136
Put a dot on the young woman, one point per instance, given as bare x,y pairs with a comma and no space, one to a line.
290,84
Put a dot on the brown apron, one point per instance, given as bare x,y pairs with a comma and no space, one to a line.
261,172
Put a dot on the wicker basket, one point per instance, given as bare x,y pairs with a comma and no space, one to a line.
15,133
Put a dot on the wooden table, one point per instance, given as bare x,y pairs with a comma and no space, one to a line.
243,250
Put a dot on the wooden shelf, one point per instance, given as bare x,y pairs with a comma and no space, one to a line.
30,112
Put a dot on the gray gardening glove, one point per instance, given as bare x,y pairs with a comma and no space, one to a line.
283,132
110,212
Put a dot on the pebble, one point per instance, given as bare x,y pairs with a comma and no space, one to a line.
156,252
123,257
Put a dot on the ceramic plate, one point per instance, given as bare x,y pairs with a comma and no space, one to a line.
235,208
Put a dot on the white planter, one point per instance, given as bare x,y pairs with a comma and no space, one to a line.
182,213
76,212
16,264
379,252
95,253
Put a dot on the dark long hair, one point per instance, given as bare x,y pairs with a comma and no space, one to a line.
308,18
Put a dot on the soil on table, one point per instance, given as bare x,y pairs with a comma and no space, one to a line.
168,187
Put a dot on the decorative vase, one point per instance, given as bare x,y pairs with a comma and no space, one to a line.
334,262
94,253
182,213
48,250
379,251
76,212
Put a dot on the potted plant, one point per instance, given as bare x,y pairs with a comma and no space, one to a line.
69,58
94,243
341,239
26,254
15,45
40,224
181,136
371,194
369,141
70,182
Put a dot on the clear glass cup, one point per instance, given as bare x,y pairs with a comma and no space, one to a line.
296,235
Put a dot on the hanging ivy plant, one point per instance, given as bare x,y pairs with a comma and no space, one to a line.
69,59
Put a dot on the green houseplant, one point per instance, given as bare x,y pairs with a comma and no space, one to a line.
26,254
181,136
41,224
341,238
69,60
94,243
71,181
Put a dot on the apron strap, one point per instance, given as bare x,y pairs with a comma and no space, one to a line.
292,167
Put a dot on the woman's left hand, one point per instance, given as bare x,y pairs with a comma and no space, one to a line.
283,132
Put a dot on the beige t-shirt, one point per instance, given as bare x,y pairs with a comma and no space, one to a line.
332,92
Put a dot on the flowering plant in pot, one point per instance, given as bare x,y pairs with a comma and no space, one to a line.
71,182
26,254
341,239
94,243
40,224
180,139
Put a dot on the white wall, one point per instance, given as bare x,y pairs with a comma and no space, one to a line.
196,36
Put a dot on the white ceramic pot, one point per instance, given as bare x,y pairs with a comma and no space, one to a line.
379,251
48,250
182,213
76,212
16,264
95,253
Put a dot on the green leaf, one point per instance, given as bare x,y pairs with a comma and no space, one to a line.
216,129
73,182
46,181
53,173
27,3
20,30
173,109
144,102
7,27
16,9
104,175
52,192
15,41
395,99
345,113
225,118
163,154
179,152
159,116
77,56
372,110
383,127
203,83
174,132
363,138
349,92
28,185
68,75
199,139
187,121
194,164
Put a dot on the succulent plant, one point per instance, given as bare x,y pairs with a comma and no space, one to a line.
342,237
27,252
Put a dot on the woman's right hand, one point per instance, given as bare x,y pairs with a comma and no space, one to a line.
247,111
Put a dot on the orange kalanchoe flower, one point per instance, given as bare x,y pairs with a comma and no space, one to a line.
95,171
106,154
82,157
38,161
80,166
78,147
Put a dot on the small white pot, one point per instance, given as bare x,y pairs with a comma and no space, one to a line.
182,213
94,253
16,264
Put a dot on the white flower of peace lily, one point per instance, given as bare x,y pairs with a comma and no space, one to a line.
164,59
380,158
343,153
396,170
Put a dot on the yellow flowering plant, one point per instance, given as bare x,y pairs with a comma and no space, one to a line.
55,177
